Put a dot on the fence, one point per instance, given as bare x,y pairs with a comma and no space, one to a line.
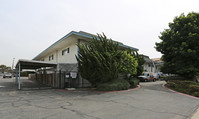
60,79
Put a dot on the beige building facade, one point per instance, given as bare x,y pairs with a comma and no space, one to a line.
63,53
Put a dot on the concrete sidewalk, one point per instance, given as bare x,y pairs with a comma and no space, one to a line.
195,115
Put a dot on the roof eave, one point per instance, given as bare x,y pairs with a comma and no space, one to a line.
78,34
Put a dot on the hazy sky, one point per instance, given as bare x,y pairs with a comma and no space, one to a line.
27,27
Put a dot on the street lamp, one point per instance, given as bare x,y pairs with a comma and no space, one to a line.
13,63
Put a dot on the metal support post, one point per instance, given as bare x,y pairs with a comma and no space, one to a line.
19,83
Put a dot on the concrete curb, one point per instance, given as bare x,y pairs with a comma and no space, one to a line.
100,91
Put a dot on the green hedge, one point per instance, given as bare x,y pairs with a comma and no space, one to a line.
168,78
114,85
196,94
193,88
188,87
134,82
172,85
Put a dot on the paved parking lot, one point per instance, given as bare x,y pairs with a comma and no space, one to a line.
151,101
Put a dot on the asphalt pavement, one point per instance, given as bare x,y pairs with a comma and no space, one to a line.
151,101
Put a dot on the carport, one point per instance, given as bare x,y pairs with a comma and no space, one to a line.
30,65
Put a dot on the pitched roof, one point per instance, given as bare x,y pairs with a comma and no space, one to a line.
81,34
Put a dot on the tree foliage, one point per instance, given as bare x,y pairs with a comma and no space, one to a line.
137,62
129,63
141,61
180,46
100,60
4,68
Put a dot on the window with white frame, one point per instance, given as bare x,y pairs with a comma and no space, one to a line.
51,57
65,51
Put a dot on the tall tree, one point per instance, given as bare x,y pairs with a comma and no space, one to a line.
180,46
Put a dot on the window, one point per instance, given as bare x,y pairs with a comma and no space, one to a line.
51,57
65,51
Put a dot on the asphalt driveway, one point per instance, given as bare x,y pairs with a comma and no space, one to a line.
151,101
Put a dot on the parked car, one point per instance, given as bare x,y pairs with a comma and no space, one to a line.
7,75
146,76
163,76
156,76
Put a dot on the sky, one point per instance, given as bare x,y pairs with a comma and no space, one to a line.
27,27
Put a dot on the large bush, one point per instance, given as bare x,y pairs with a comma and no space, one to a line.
115,85
100,60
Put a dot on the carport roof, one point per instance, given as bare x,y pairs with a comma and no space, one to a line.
33,64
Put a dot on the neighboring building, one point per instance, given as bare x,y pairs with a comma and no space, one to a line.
149,65
63,54
152,65
158,64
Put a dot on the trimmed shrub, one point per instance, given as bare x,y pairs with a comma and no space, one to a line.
172,85
182,90
134,82
193,88
196,94
190,83
168,78
183,84
114,86
188,87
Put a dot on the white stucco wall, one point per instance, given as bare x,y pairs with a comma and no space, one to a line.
67,58
149,68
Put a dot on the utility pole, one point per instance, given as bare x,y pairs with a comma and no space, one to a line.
13,63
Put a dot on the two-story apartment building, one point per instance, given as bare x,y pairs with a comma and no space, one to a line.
62,56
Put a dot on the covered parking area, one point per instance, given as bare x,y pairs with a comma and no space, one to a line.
31,65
